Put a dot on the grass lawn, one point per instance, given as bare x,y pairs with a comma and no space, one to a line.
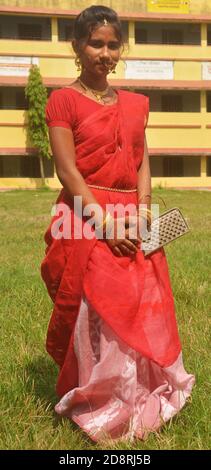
28,375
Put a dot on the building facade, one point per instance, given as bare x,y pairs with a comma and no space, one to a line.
167,56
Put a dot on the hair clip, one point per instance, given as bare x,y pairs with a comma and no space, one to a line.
105,22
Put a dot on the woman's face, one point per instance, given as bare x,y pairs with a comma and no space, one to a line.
101,52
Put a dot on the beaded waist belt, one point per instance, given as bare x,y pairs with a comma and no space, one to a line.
113,189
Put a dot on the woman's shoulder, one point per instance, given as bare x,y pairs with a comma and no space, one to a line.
60,107
62,92
62,97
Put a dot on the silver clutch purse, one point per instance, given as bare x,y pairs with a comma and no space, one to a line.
164,229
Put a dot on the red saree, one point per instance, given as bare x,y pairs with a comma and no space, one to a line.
113,330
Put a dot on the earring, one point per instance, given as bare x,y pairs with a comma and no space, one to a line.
114,70
78,63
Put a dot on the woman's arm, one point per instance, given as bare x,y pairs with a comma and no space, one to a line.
144,179
63,149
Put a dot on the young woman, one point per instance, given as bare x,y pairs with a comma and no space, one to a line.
113,330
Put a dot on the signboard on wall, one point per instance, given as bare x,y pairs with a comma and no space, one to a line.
206,70
149,69
168,6
16,66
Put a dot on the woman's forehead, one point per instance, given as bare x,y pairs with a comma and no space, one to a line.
102,32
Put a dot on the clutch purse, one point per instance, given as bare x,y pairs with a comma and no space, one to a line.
164,229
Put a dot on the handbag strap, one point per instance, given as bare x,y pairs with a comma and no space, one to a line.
159,197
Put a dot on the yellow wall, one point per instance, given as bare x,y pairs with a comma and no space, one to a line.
196,6
197,182
13,137
60,48
173,138
170,137
28,183
57,61
49,65
53,183
119,5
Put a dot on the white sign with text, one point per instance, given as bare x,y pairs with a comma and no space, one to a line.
149,69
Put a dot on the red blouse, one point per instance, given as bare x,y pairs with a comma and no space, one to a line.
68,107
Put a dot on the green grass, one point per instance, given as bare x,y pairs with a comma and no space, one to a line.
28,376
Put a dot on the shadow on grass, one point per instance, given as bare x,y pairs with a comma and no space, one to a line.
41,378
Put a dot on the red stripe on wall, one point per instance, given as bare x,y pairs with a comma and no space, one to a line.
174,126
153,152
144,84
17,150
179,151
125,15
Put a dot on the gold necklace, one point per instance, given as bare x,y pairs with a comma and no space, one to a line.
97,93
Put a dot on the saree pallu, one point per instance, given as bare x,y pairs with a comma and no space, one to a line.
113,330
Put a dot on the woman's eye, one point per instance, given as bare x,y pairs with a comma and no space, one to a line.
113,45
96,44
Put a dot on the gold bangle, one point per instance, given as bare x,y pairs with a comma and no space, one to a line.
144,209
109,227
145,213
105,219
146,217
144,195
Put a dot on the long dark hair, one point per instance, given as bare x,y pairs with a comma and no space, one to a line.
92,17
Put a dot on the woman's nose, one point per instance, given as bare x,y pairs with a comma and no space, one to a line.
104,52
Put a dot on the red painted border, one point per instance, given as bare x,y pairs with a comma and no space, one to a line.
174,126
153,152
179,151
13,124
71,56
124,15
144,84
150,126
17,150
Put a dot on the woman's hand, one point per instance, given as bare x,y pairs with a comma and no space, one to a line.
123,237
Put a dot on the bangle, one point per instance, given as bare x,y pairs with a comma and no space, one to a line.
144,209
146,213
109,227
144,195
105,219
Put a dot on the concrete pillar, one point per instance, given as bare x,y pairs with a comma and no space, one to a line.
203,166
131,31
203,99
54,29
203,35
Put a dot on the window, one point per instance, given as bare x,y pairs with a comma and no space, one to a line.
149,32
172,103
177,166
141,36
173,166
13,98
125,31
25,27
21,101
68,33
170,36
65,29
208,102
186,101
24,166
209,35
29,31
208,166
